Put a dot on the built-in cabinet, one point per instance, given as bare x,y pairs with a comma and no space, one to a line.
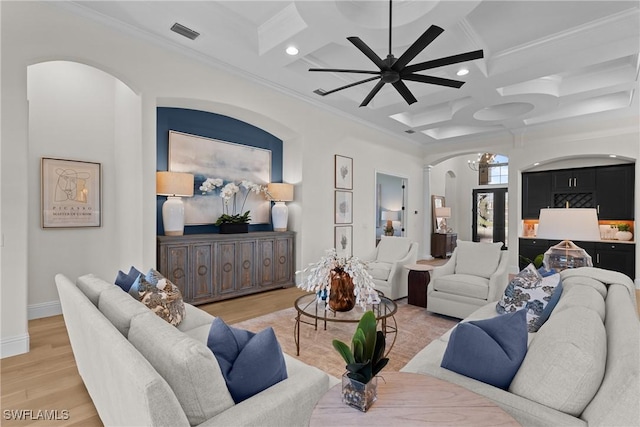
605,254
610,189
213,267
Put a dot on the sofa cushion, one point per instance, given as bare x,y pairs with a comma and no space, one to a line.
92,286
125,280
379,270
548,308
582,296
565,363
477,259
391,249
160,296
119,308
489,350
249,362
186,364
463,284
529,291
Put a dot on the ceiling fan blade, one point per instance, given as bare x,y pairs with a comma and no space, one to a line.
367,51
434,80
340,70
418,46
350,85
405,92
373,93
448,60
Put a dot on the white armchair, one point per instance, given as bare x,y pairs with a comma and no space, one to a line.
385,264
475,274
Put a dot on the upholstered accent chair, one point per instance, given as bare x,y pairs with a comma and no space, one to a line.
385,264
475,274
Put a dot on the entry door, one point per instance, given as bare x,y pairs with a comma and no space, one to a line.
490,215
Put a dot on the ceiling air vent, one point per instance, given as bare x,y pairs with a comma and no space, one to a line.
184,31
320,92
410,131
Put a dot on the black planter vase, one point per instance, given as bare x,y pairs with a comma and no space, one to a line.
231,228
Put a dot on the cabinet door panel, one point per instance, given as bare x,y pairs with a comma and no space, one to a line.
266,261
615,192
246,267
227,263
177,268
617,257
202,272
536,193
283,260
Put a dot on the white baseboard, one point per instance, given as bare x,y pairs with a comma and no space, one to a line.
14,345
44,309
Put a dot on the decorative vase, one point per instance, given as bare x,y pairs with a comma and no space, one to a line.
359,395
232,228
624,235
342,296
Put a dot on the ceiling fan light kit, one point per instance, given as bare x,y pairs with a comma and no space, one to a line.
394,70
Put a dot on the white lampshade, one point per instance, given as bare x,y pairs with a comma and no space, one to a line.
280,193
568,224
174,185
444,212
390,216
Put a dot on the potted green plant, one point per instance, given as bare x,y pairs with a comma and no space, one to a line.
365,358
624,232
232,220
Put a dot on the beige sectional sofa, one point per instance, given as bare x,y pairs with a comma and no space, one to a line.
581,367
142,371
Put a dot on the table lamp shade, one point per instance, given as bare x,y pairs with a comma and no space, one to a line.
568,224
390,216
174,185
444,212
280,192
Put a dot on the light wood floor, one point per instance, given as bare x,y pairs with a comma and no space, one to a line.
46,378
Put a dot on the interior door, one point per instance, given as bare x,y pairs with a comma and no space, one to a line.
490,215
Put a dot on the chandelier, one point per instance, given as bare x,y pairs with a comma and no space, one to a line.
483,159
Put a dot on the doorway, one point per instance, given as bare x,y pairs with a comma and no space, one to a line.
490,219
391,200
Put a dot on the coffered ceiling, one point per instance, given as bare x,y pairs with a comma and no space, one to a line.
544,61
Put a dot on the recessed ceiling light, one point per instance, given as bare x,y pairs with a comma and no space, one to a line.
536,164
612,155
462,72
292,50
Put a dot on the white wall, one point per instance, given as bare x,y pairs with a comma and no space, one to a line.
37,32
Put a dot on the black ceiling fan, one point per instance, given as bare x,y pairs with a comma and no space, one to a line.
394,70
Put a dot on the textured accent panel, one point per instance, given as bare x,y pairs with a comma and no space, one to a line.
576,200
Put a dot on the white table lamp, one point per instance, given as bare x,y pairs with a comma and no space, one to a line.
444,213
174,185
280,193
389,216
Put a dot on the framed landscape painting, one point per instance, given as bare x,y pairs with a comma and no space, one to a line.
70,193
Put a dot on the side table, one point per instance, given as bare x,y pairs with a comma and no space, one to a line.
412,399
419,278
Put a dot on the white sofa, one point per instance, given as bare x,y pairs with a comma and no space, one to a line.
581,367
142,371
385,264
475,274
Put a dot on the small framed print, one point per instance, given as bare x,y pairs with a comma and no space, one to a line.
343,172
343,207
70,193
342,240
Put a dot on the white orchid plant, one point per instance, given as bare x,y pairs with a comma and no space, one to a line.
318,277
228,193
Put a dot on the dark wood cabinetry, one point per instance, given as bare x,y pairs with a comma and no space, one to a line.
608,255
443,244
212,267
615,192
536,193
573,180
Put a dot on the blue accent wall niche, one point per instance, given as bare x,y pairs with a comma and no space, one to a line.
210,125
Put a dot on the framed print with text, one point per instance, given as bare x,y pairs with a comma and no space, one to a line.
343,207
70,193
343,236
343,172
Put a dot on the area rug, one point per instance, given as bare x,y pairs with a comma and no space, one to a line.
416,329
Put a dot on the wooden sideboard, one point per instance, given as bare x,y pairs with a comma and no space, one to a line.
443,244
213,267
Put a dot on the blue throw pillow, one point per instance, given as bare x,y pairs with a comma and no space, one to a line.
249,362
488,350
553,301
125,280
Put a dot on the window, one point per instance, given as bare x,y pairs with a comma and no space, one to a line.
492,168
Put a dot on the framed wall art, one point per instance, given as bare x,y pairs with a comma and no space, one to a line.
70,193
343,207
212,158
343,172
343,237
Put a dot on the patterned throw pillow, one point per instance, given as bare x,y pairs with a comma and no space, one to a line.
530,291
162,297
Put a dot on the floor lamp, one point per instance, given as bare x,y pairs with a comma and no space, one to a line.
174,185
280,193
568,224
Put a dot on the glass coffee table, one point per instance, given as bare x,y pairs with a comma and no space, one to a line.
313,310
